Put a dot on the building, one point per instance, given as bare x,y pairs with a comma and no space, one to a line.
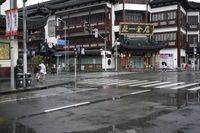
175,38
177,22
67,21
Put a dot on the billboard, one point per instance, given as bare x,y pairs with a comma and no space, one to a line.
4,51
136,28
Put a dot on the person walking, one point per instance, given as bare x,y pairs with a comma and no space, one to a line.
164,66
43,71
37,72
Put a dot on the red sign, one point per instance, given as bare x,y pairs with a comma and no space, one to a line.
11,22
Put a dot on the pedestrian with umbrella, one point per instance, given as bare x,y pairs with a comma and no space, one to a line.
164,66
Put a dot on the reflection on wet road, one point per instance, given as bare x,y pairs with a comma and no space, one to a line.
114,104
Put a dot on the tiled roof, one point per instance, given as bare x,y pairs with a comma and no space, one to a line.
186,3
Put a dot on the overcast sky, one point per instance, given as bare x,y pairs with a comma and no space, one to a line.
30,2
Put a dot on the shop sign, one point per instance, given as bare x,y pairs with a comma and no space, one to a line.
136,28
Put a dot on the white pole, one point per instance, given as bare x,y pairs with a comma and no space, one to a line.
65,44
194,57
116,56
24,44
75,67
12,82
105,55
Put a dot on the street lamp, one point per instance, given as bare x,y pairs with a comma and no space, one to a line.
65,28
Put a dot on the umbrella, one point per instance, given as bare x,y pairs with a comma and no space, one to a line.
164,63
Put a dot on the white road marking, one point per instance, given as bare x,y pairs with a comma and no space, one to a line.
144,83
138,92
91,102
123,84
156,84
184,86
169,85
194,89
66,107
127,81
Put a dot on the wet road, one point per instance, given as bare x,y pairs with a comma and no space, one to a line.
119,103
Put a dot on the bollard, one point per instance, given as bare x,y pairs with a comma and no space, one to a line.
19,80
28,79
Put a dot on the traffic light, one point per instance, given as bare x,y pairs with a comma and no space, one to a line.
87,27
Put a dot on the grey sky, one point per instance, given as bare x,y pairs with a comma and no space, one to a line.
30,2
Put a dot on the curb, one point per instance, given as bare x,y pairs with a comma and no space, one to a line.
42,87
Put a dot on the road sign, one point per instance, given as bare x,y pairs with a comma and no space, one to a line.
193,45
60,42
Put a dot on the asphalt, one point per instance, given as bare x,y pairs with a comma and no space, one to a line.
51,80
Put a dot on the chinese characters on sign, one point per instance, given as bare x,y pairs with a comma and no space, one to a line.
136,28
11,22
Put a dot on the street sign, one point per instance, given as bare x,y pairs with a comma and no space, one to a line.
136,28
193,45
60,42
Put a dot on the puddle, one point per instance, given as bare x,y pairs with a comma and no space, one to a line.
128,127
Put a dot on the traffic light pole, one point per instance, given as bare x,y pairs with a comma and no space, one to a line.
90,29
105,47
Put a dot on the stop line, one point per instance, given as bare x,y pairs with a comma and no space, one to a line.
141,83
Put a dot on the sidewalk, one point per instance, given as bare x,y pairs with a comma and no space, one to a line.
54,80
50,81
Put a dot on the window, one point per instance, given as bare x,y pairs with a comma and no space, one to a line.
165,37
134,17
193,20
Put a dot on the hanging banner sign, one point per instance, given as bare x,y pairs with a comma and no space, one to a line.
11,22
136,28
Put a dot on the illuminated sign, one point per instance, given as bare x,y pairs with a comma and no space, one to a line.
136,28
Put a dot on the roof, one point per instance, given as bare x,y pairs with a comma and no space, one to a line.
185,3
54,5
141,44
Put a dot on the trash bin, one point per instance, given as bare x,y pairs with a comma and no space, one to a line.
28,79
19,80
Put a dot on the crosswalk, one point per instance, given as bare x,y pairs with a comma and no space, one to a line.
173,85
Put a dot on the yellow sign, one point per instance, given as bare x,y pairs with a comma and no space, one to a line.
4,51
136,28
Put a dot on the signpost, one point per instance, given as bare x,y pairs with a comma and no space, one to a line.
11,30
136,28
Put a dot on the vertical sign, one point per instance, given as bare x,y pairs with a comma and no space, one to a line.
11,22
8,23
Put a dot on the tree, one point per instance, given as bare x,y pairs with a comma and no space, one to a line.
36,60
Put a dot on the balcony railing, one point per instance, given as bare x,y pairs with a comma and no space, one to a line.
193,26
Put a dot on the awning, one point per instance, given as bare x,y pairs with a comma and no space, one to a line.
141,44
71,53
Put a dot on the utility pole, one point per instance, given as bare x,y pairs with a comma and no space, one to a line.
24,43
12,77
